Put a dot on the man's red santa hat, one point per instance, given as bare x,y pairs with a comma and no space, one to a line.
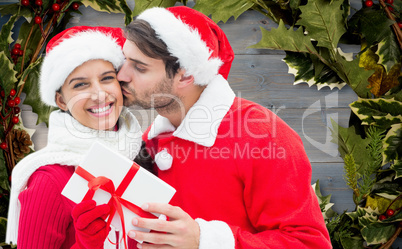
200,45
71,48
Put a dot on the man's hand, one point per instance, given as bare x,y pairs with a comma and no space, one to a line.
181,231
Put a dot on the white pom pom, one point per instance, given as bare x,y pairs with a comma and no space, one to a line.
163,160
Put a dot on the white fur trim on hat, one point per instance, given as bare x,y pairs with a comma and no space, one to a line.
71,53
184,43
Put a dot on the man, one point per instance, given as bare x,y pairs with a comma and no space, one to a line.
238,169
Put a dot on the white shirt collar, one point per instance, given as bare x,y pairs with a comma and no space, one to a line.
201,123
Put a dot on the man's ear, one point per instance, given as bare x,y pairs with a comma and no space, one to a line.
185,80
60,102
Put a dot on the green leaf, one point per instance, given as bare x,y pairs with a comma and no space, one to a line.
33,41
352,243
377,233
388,51
309,68
223,10
4,184
351,143
372,24
397,166
141,5
285,39
9,9
7,72
119,6
393,144
5,35
324,202
354,75
324,21
379,112
31,87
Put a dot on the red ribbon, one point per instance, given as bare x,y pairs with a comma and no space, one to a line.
116,202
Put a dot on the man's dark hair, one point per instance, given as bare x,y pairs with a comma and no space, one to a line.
145,38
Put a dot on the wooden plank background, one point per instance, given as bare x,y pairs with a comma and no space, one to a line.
261,76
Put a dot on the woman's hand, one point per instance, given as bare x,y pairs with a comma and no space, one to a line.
180,231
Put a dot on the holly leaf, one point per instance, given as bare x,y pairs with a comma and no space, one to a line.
397,166
33,41
222,10
380,112
7,73
351,143
141,5
392,144
4,184
324,202
309,69
388,51
324,21
119,6
285,39
5,35
31,88
377,233
372,24
354,75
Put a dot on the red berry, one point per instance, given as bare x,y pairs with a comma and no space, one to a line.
20,52
39,2
38,19
24,2
17,46
15,51
17,110
368,3
390,8
75,6
389,1
399,25
11,103
56,7
3,145
390,212
382,217
2,93
13,92
17,100
15,120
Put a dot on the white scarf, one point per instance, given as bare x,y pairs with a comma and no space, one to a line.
68,142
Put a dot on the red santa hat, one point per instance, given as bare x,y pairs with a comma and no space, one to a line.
200,45
71,48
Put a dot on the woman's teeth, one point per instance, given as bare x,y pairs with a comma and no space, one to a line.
99,110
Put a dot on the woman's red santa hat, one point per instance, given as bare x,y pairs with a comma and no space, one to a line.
71,48
200,45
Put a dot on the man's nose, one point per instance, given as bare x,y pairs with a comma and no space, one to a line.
122,75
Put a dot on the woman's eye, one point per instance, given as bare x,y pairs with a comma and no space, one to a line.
78,85
108,78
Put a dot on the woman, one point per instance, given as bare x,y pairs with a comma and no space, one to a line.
78,75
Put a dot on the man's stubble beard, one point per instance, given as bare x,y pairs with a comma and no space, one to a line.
161,97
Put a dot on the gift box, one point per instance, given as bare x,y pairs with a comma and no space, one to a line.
132,186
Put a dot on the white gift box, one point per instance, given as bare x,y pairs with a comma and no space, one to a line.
144,187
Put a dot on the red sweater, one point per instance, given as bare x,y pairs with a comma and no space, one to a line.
45,218
256,178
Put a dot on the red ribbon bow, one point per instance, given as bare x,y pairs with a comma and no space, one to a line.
116,202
